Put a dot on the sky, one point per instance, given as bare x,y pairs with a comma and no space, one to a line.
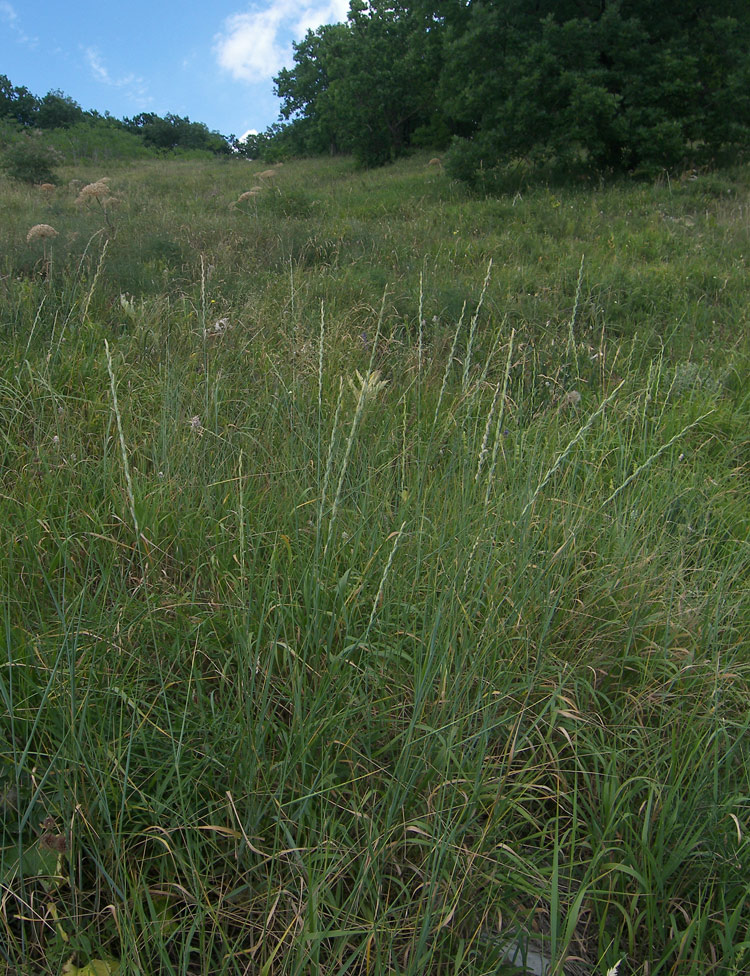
211,61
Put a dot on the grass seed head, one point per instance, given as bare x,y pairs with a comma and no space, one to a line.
369,385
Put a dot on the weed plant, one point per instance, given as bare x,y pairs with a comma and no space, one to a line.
368,608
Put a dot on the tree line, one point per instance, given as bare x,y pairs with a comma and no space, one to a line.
21,111
599,85
609,85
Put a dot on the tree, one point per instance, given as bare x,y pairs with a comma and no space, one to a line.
17,104
367,85
308,99
614,85
58,111
173,132
389,80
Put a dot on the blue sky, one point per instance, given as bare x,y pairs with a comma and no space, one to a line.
212,61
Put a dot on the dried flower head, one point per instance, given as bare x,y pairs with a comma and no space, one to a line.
47,187
571,400
94,191
40,232
267,174
248,194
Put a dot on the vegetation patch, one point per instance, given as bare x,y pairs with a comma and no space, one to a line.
375,572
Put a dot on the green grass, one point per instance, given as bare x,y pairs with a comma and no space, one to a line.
307,674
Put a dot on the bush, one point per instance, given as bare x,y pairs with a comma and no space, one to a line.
31,161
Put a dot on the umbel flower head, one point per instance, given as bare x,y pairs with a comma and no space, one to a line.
94,191
40,232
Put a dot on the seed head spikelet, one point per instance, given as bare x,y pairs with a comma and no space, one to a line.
368,385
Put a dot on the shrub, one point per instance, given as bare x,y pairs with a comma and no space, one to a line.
30,161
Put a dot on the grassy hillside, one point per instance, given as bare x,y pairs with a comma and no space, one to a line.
375,574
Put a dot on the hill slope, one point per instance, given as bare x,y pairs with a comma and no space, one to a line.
376,572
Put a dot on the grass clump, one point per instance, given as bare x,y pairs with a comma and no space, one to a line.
346,632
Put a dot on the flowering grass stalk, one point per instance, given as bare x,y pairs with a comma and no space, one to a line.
364,389
123,449
448,365
499,425
560,459
473,328
650,460
89,296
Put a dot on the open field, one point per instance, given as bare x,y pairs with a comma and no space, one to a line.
376,574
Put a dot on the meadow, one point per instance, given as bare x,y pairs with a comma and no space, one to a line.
375,573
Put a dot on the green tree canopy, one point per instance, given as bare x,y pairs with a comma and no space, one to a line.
620,84
175,132
615,85
308,98
17,104
364,86
58,111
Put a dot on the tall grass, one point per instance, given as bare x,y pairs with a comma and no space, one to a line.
421,673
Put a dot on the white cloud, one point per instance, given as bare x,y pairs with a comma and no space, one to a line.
9,15
134,86
254,45
97,68
7,12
